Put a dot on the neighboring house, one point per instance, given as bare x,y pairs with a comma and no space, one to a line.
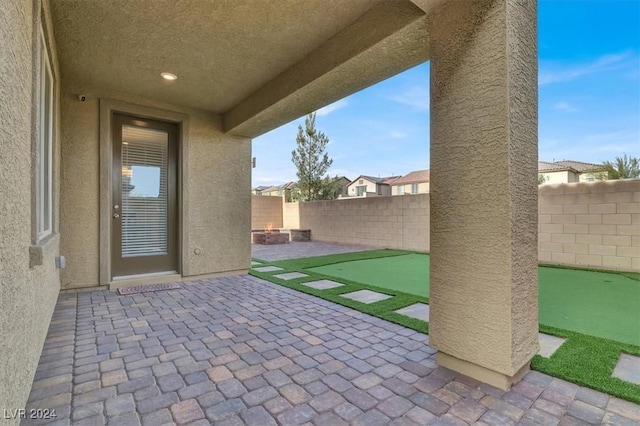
344,183
291,192
258,190
273,191
412,183
568,171
369,186
278,190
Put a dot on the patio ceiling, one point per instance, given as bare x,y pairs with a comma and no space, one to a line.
259,63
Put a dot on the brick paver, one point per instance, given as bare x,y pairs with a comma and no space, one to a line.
240,350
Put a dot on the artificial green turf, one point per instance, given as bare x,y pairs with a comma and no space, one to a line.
408,273
311,262
588,361
599,304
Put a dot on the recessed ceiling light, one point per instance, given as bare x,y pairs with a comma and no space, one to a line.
169,76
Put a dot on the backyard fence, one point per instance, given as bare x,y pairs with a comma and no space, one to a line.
587,224
266,211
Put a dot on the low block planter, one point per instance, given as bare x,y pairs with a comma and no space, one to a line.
270,238
300,234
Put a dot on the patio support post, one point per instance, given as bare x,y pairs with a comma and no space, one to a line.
484,111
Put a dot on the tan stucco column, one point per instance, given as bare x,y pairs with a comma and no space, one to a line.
484,282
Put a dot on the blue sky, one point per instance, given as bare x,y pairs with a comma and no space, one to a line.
589,101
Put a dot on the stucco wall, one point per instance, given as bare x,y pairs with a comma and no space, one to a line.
563,176
591,176
218,186
266,210
352,187
393,222
28,294
595,224
423,188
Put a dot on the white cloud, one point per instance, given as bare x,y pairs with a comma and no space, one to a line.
416,97
549,74
564,106
396,134
332,108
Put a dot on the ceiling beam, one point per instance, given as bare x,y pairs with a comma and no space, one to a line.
386,40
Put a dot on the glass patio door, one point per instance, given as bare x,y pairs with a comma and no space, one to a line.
144,211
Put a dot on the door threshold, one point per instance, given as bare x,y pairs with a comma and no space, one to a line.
142,279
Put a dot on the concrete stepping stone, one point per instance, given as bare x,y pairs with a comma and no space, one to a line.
417,310
366,296
291,276
254,263
628,369
323,284
549,344
268,269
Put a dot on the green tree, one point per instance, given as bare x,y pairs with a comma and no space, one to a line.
331,188
311,160
625,167
542,179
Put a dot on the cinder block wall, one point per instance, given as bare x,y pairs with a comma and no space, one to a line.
586,224
266,210
393,222
291,215
590,224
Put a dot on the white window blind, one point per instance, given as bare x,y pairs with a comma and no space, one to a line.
144,191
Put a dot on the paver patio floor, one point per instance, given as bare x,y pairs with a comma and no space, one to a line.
240,350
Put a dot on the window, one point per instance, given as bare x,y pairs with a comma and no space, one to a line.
401,190
414,188
361,190
590,177
44,172
361,181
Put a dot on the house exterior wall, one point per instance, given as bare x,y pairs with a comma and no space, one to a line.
592,176
28,293
423,188
344,183
218,184
563,176
371,187
266,211
383,190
